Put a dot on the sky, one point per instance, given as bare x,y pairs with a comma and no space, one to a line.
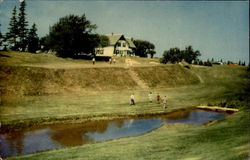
218,29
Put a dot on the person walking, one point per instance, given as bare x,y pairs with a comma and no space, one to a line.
165,102
93,60
132,99
110,60
150,97
158,98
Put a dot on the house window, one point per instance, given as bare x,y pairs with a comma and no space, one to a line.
119,44
124,44
117,51
99,51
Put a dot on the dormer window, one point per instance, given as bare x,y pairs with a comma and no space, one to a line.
119,44
124,44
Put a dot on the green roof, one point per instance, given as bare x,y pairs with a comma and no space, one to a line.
130,42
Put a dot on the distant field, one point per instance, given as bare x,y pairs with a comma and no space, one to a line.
43,60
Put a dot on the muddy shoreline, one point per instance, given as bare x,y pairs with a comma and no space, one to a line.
20,124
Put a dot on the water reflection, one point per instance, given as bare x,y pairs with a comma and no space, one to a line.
42,138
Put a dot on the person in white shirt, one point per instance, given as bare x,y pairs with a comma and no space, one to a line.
132,99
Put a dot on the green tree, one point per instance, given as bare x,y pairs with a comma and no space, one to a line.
201,63
143,48
22,26
190,55
32,39
1,37
239,63
172,55
151,53
72,35
103,41
44,43
11,35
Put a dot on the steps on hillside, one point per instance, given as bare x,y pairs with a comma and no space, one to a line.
137,79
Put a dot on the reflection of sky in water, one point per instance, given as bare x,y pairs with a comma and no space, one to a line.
41,140
47,138
129,128
198,117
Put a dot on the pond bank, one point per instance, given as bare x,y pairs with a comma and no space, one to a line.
69,119
217,108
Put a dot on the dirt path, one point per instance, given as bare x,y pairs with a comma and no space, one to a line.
137,79
129,65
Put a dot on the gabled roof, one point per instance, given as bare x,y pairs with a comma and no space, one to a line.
113,38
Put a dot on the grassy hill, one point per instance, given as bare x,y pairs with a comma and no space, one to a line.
43,74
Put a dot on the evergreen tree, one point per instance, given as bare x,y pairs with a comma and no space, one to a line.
1,37
32,39
13,30
22,26
239,62
44,43
201,63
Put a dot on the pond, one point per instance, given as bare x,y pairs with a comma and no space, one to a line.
41,138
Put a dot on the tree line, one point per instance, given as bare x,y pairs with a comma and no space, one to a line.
174,55
71,36
68,37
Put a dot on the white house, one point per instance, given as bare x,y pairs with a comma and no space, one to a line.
119,45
